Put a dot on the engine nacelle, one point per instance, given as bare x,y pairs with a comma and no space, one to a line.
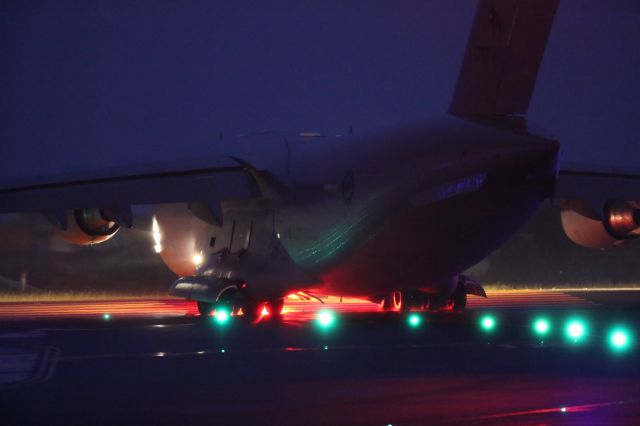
618,223
88,226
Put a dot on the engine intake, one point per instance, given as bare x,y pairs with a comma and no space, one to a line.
88,226
622,219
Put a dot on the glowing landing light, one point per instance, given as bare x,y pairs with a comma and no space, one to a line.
222,351
541,326
197,259
106,316
414,320
221,316
326,318
563,409
576,330
619,339
157,236
488,323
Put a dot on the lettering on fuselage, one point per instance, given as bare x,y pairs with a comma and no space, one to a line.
448,190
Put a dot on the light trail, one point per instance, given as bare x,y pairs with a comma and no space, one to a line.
517,299
295,307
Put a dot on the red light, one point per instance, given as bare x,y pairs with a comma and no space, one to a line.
265,311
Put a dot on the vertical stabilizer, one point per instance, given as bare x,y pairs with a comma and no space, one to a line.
503,55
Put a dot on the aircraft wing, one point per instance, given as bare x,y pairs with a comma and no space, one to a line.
597,184
221,178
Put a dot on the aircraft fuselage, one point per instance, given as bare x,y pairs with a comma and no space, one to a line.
408,208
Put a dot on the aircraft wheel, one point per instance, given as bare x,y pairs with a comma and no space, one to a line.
392,301
205,308
275,307
459,298
251,310
414,300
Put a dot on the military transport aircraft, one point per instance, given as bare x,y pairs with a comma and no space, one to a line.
392,216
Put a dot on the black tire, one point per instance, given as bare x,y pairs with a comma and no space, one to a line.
205,308
393,301
459,298
275,308
251,310
414,300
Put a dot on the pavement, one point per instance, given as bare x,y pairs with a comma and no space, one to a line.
157,362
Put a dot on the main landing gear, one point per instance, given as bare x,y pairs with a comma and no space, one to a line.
413,300
416,300
270,309
205,308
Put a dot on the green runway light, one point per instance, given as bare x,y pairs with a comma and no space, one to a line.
488,323
222,316
414,320
619,339
576,330
106,317
326,319
541,326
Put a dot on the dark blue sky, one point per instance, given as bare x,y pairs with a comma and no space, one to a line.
89,86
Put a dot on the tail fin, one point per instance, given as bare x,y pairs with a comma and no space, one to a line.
503,55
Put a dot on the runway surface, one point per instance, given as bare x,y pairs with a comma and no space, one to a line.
157,362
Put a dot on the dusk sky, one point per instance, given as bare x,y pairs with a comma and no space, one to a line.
87,86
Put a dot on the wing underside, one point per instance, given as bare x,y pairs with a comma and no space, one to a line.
597,184
118,193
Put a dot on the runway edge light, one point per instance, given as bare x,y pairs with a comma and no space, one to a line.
541,326
221,316
488,323
620,339
326,319
576,330
414,320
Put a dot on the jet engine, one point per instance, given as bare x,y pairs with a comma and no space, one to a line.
88,226
618,223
